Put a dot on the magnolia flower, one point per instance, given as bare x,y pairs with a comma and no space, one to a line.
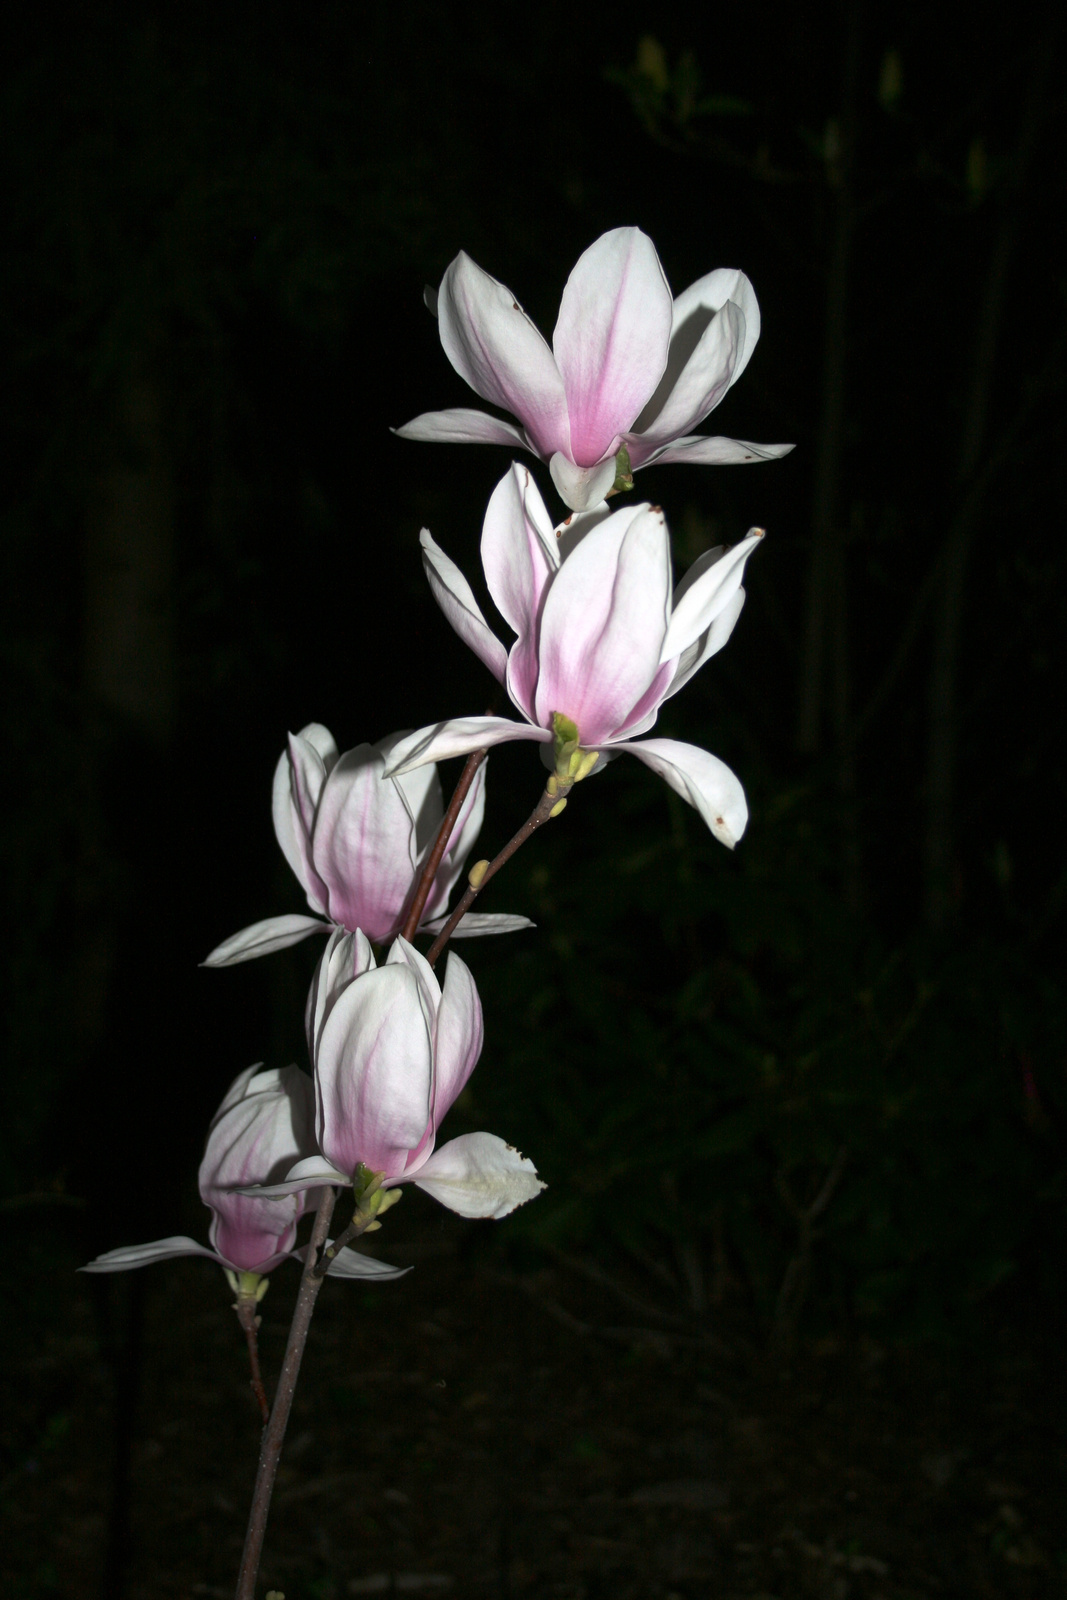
262,1126
391,1051
629,375
602,641
356,844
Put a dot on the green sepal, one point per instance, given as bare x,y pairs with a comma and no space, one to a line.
624,478
566,742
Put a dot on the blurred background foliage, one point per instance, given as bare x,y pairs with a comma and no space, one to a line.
823,1079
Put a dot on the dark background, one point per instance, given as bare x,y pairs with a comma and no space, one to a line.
814,1089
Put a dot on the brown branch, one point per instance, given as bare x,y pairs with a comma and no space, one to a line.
247,1316
440,845
548,803
270,1449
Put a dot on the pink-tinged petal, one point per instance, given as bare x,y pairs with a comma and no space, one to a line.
460,1034
262,1127
458,738
581,488
419,793
702,779
239,1088
349,1263
141,1255
374,1072
361,846
463,426
495,347
478,1175
255,1139
708,644
611,340
406,955
477,924
454,595
707,588
701,300
518,548
311,1173
248,1232
345,957
603,625
685,396
701,451
263,938
294,816
519,558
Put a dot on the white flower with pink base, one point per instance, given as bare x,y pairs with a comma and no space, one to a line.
261,1127
356,842
630,369
603,638
391,1050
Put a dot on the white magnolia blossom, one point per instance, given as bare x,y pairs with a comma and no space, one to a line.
629,369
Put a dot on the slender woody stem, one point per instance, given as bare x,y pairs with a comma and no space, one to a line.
440,844
548,803
247,1309
270,1449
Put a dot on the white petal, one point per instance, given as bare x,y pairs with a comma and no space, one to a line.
475,924
702,649
140,1255
461,425
458,738
349,1263
611,339
581,488
711,292
702,779
697,450
311,1173
478,1175
707,588
492,343
314,746
241,1086
263,938
454,595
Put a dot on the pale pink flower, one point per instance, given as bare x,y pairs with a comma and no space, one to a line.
629,368
391,1050
603,638
262,1126
356,842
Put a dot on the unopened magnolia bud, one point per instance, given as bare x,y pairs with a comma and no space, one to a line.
586,765
559,806
476,875
552,786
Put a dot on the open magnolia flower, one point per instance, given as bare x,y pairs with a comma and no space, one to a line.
602,641
356,842
391,1051
263,1126
630,373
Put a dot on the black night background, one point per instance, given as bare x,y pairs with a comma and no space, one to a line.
787,1320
